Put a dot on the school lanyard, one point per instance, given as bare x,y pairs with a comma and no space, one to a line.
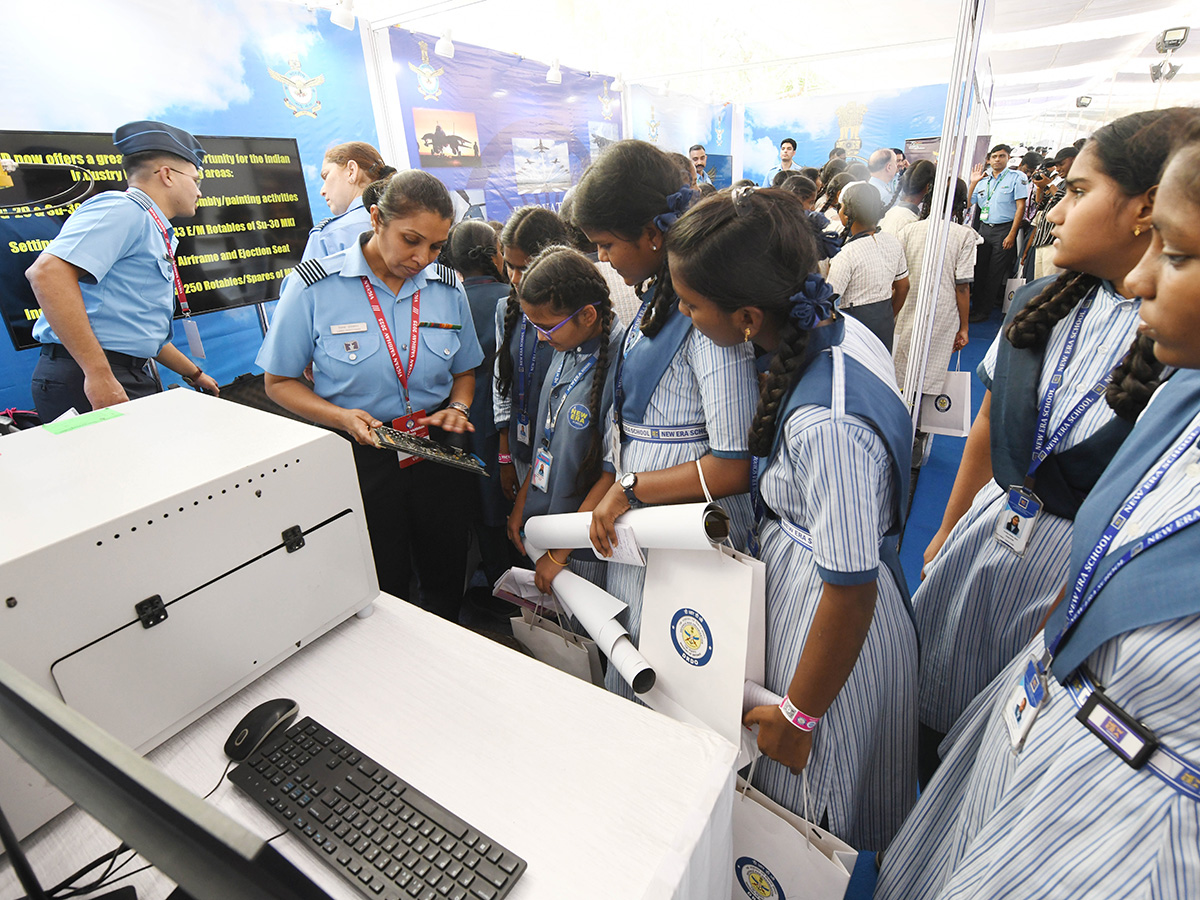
183,304
522,406
552,421
1043,446
390,343
1082,593
631,339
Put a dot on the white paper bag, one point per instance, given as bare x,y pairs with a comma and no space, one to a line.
950,411
551,644
777,855
703,631
1010,288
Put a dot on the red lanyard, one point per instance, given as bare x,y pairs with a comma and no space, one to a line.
183,304
390,342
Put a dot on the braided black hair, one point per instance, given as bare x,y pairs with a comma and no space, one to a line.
529,229
1132,151
472,249
567,281
833,190
752,250
622,193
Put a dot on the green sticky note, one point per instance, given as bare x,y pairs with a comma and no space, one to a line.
82,421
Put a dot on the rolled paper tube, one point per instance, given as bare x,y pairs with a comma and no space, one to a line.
680,526
756,695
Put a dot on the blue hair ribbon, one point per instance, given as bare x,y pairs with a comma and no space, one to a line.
813,303
677,205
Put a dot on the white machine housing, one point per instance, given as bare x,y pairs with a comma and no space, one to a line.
186,497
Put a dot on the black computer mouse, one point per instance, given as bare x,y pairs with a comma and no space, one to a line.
259,724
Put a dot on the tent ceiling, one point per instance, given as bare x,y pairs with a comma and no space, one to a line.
1041,56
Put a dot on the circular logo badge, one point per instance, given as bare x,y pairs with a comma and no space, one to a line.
756,880
942,403
691,636
578,416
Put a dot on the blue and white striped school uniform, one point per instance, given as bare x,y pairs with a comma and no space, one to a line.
563,412
832,474
980,602
1067,817
702,384
508,410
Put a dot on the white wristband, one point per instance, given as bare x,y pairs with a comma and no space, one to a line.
797,718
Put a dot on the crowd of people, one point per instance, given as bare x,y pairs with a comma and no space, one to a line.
655,343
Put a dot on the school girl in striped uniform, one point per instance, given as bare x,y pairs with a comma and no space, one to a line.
1076,811
566,298
697,397
832,441
1066,379
520,357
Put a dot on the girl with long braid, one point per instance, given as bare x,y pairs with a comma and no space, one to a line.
832,441
566,298
520,357
682,405
1066,379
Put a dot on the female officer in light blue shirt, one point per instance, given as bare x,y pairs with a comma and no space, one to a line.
345,171
334,315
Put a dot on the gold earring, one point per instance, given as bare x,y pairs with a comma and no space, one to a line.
1137,230
746,340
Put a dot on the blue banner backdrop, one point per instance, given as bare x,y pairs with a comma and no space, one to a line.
493,130
674,122
862,123
256,68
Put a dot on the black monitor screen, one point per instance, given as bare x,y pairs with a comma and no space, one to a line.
249,229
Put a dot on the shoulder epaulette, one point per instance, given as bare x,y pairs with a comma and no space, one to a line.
444,274
322,223
313,270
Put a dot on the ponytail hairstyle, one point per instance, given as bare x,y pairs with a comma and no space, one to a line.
410,192
835,166
834,188
916,181
567,281
472,249
634,184
530,229
372,192
1132,151
958,206
371,166
755,248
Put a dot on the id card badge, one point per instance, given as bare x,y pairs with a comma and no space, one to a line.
1015,524
408,423
1024,704
542,461
523,428
985,213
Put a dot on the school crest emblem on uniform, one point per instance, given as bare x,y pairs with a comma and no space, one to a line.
299,91
756,880
428,78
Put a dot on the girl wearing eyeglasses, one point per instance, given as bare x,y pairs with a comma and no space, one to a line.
566,299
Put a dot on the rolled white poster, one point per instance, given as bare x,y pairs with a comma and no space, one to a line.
597,612
754,694
677,526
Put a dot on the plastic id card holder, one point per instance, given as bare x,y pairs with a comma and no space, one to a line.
1024,703
408,423
542,461
523,428
1015,524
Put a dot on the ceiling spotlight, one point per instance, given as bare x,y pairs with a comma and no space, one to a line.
444,46
1083,102
618,84
554,74
1171,39
342,14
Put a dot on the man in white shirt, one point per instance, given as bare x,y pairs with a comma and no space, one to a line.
883,167
787,149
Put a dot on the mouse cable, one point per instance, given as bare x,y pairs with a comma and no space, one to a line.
220,780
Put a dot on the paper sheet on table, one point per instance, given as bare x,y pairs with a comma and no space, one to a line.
597,611
680,526
516,586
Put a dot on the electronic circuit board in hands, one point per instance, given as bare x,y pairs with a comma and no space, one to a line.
404,442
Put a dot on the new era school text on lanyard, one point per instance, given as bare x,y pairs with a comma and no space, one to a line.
1017,519
189,327
544,458
407,422
1030,695
523,383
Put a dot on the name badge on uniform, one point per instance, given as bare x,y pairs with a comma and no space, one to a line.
409,423
542,461
1017,519
523,428
348,329
1025,702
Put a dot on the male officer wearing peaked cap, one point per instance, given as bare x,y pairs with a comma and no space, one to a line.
107,283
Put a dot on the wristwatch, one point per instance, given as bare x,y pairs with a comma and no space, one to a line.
628,483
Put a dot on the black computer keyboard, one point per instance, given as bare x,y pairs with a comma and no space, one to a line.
385,837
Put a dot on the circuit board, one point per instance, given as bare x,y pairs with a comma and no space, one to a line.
404,442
